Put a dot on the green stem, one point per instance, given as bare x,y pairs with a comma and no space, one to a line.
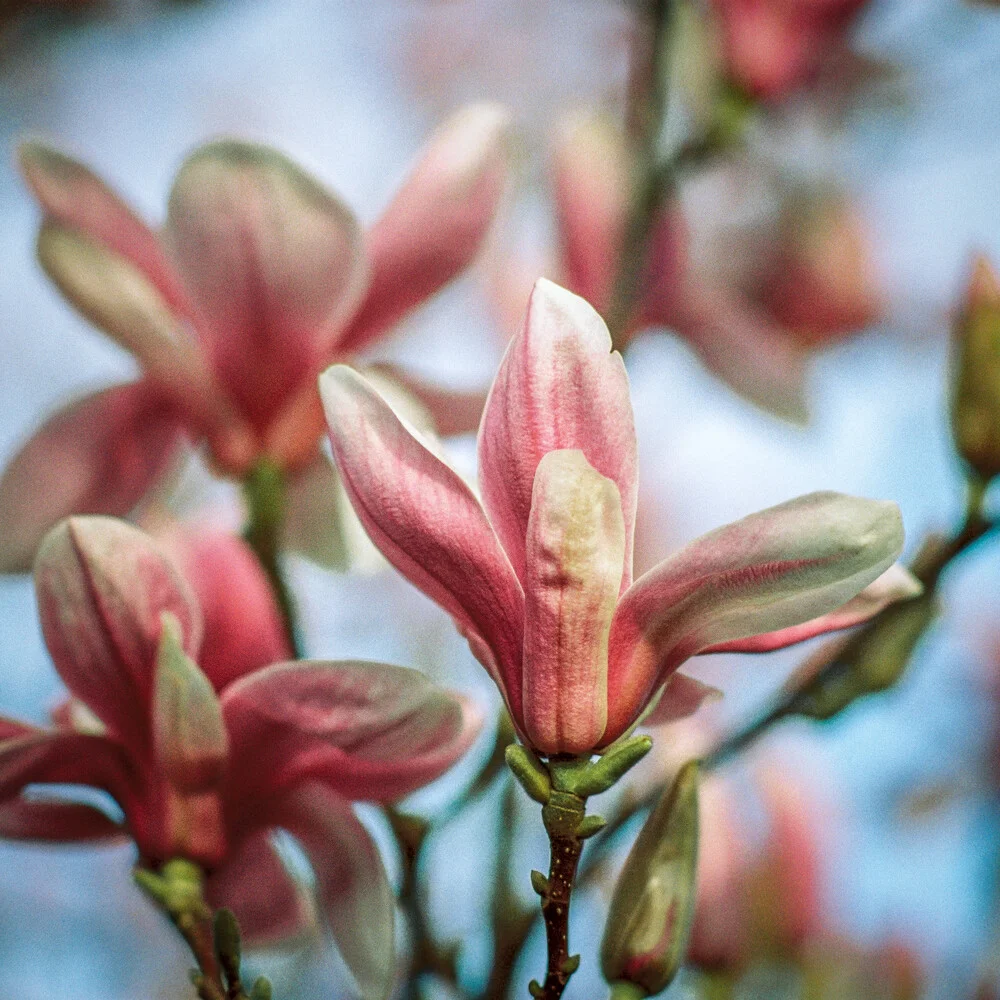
265,489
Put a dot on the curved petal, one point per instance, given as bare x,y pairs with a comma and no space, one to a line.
681,697
243,629
99,455
559,387
367,730
575,548
896,584
54,820
102,587
74,197
351,883
62,758
435,225
745,348
273,262
770,571
427,523
270,904
591,197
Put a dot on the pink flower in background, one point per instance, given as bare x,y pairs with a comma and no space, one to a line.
206,766
259,279
811,284
539,576
773,47
757,898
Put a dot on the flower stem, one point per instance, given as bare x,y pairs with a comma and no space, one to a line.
264,489
562,815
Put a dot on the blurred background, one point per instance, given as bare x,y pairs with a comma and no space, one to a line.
902,789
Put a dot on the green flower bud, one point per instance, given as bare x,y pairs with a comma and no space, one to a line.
649,923
975,413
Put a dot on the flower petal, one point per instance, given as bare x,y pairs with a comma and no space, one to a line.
367,730
270,904
118,298
896,584
591,195
427,523
99,455
55,820
243,629
436,224
451,411
575,552
274,263
559,387
681,697
76,198
102,586
770,571
189,737
351,883
56,757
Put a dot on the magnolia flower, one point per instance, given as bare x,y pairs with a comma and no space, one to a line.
756,898
773,47
207,767
258,280
539,576
813,284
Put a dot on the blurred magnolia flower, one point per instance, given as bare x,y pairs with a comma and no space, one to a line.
773,47
258,280
539,577
756,898
809,281
207,766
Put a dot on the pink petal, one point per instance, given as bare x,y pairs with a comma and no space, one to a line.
575,552
269,903
12,728
64,758
118,298
436,224
427,523
592,185
73,196
367,730
274,263
102,587
682,696
243,629
351,883
189,737
772,570
99,455
53,820
559,387
896,584
452,410
745,348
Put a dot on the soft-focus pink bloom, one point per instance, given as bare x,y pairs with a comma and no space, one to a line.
206,767
756,898
818,283
773,47
258,280
539,576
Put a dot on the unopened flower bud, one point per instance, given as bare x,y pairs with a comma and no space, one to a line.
649,923
976,402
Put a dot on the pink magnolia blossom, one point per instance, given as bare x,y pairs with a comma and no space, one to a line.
207,767
773,47
258,280
818,282
538,577
757,897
